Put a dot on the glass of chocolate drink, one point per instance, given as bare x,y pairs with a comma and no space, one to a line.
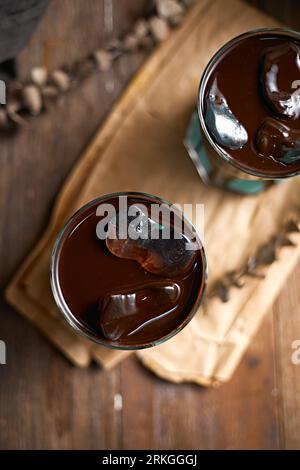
128,271
246,134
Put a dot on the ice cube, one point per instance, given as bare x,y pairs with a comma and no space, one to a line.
282,93
221,122
123,313
278,141
159,249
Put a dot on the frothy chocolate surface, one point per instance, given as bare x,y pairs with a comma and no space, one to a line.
116,300
252,104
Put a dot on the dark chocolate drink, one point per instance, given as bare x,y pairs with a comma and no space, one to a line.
251,103
130,292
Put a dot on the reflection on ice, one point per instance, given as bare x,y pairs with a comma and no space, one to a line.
221,122
160,249
122,314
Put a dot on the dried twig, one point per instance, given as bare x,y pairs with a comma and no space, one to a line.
33,96
265,255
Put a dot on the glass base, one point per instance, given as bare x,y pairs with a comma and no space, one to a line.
205,167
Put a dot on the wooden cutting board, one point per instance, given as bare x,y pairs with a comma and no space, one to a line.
140,148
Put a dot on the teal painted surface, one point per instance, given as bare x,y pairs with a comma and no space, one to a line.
196,150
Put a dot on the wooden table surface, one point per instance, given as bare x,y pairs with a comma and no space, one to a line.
45,403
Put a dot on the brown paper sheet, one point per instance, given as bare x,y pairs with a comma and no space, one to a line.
140,148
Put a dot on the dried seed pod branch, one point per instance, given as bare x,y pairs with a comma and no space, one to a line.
31,97
265,255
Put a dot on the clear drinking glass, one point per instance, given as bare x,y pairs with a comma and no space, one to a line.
55,281
214,165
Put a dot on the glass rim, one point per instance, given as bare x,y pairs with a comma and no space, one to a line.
57,291
201,90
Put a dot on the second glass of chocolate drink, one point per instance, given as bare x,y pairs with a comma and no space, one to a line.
128,271
246,134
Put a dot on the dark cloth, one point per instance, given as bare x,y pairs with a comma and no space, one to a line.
18,19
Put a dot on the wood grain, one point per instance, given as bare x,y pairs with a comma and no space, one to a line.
239,415
46,403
